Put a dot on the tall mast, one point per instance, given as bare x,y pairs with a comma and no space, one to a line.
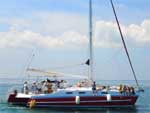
90,41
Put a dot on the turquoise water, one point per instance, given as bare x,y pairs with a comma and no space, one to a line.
142,105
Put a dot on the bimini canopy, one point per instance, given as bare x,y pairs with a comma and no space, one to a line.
54,74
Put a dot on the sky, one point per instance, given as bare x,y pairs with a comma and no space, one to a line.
56,32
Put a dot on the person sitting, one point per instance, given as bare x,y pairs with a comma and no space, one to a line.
61,84
78,84
39,87
44,87
132,90
34,88
49,86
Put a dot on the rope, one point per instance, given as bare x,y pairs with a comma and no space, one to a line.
68,66
27,65
124,44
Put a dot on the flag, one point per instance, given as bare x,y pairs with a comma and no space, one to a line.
87,62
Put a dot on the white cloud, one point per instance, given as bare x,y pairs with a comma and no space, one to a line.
107,34
50,22
139,33
26,38
58,30
61,22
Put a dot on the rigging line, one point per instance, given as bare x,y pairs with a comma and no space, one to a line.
124,44
26,66
30,61
68,66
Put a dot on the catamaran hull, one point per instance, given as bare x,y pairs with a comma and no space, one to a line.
84,102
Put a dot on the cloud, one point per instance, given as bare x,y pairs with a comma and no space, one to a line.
60,22
29,39
63,30
139,33
52,23
107,34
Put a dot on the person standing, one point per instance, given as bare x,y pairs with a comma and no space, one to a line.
94,88
25,88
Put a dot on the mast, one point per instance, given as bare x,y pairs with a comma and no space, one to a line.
124,44
90,42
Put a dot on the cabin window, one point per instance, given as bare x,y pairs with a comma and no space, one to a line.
68,92
81,92
104,92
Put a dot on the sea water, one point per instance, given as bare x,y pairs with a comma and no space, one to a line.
142,105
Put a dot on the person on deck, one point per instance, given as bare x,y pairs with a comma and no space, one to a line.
94,88
44,87
34,88
25,88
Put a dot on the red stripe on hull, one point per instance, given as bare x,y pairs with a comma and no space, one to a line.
19,101
86,101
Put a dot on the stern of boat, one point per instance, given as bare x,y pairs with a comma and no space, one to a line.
15,98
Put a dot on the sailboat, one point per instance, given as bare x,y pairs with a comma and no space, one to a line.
89,95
